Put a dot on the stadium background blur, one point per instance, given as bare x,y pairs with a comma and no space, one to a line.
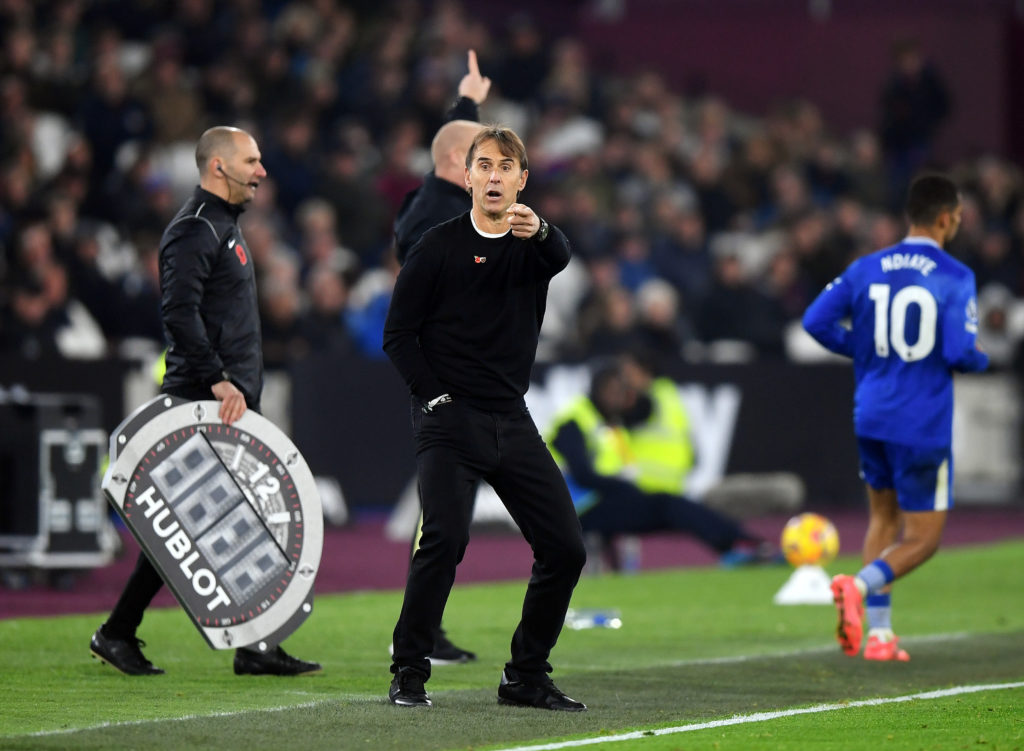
714,164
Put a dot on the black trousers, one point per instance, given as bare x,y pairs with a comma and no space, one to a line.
457,446
145,581
625,509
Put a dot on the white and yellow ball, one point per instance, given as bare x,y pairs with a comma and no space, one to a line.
809,539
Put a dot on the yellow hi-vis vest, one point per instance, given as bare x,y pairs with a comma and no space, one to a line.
607,446
661,446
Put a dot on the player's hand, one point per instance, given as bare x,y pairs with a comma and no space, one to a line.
522,220
232,401
473,85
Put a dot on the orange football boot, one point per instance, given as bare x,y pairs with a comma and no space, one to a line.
881,649
850,608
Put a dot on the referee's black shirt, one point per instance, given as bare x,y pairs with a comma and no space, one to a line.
466,313
208,299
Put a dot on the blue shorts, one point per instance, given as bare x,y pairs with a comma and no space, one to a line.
921,477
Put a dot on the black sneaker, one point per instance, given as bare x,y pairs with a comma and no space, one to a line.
275,662
407,689
122,654
446,653
542,695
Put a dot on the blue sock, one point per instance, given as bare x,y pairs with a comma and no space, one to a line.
879,611
876,575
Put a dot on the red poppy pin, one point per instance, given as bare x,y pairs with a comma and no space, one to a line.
239,251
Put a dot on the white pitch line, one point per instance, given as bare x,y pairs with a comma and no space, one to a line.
764,716
208,715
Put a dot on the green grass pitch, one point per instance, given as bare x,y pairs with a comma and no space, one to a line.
696,646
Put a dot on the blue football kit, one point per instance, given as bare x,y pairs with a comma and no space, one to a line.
907,316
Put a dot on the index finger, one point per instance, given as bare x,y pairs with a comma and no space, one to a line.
474,69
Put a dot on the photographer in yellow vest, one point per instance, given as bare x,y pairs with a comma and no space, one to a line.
625,456
659,427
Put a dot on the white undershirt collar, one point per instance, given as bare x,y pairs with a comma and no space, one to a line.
487,234
918,240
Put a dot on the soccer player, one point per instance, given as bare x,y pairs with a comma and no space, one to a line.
913,322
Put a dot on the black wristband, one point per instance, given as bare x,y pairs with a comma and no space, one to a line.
542,234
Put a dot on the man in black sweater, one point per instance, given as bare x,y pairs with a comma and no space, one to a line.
441,197
212,326
462,331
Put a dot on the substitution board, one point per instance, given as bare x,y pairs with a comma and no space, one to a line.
229,514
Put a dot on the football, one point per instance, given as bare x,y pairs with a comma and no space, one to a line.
809,539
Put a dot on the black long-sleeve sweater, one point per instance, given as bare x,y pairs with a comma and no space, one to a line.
466,313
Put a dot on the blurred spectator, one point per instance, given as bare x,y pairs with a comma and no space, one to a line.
402,166
635,267
141,197
661,326
323,323
680,252
57,76
30,323
524,65
170,96
884,230
994,263
735,310
319,238
283,337
609,324
290,156
44,320
586,222
914,103
747,177
361,216
819,262
369,309
868,181
707,175
1000,192
110,117
788,290
845,236
826,173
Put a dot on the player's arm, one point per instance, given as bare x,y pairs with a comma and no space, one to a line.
960,330
409,308
185,265
823,317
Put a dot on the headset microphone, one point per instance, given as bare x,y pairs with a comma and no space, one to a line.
230,177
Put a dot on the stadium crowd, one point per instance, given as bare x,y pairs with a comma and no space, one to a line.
699,230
